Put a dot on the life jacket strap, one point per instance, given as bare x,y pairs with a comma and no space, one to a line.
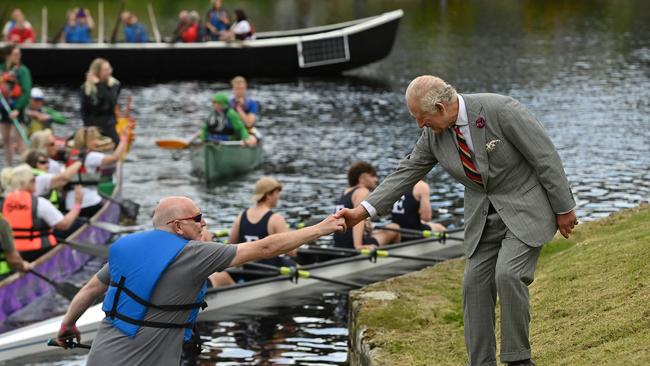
146,323
120,287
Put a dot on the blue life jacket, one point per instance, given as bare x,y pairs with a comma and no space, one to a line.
136,263
78,33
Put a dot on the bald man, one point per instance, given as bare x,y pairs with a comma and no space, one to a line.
516,197
168,267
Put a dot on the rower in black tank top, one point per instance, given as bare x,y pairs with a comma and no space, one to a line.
406,213
345,240
260,230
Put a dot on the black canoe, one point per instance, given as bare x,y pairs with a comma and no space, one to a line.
321,50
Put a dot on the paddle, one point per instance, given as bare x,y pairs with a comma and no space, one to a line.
442,236
113,228
128,207
94,250
373,254
66,289
21,130
173,144
69,343
295,273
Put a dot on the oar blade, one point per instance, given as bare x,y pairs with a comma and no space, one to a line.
173,144
130,209
68,290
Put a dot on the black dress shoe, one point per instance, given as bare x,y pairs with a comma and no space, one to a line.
526,362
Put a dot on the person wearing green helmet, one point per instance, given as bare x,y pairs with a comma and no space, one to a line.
224,123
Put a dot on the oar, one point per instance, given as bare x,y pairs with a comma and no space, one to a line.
69,343
100,251
66,289
128,207
115,228
295,273
377,253
21,130
418,233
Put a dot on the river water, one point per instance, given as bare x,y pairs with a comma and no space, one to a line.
581,67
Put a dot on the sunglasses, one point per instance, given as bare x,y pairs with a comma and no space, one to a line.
43,162
197,218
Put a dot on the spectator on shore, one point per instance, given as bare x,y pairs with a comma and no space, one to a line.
192,32
80,24
15,14
217,21
21,32
241,30
134,31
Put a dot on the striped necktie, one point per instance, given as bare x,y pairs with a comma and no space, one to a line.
466,158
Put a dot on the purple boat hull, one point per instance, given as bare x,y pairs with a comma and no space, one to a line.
19,290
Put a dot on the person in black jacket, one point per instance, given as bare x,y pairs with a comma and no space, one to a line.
99,94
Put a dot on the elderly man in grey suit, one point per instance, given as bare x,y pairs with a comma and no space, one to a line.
516,198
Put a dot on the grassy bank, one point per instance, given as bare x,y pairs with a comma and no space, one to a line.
590,302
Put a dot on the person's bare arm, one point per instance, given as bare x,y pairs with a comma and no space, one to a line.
81,302
72,215
17,262
118,152
233,235
421,193
277,244
277,224
62,179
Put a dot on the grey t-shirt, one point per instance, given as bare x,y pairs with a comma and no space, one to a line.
6,237
179,284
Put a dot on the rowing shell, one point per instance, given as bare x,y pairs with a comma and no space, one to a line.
232,301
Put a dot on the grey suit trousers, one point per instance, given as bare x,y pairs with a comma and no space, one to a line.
503,265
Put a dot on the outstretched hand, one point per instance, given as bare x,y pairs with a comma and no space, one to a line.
352,216
331,224
66,334
566,222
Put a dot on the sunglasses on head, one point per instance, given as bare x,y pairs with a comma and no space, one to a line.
196,218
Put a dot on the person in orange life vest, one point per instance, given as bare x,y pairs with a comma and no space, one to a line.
48,184
89,146
15,86
33,218
44,141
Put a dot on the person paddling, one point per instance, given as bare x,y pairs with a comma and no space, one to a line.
168,267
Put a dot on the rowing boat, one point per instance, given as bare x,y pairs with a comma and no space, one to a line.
217,161
323,50
240,299
19,290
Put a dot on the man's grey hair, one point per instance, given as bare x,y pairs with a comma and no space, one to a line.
429,90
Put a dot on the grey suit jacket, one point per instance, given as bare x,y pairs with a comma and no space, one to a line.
523,176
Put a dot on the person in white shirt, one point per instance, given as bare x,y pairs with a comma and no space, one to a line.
48,184
44,141
241,29
89,146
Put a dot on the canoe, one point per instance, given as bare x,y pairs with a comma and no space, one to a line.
322,50
217,161
236,300
19,290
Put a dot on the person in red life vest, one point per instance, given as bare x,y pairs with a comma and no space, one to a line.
90,147
15,86
192,33
32,218
21,33
9,25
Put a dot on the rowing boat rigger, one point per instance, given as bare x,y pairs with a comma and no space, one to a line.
237,300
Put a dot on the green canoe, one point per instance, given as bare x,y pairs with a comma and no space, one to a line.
216,161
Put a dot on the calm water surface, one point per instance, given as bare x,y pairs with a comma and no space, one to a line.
581,67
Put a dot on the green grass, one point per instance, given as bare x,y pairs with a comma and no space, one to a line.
590,303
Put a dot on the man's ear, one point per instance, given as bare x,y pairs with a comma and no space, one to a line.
440,108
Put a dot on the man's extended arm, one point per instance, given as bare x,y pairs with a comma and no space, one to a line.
81,302
281,243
